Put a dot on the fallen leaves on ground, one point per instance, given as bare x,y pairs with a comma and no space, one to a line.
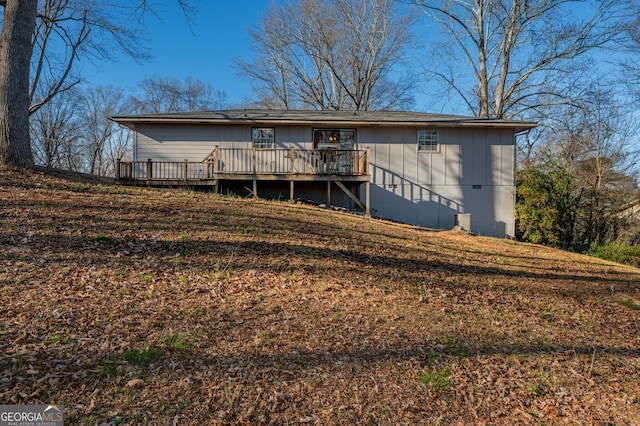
148,306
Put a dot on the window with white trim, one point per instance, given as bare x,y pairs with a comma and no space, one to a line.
263,137
428,140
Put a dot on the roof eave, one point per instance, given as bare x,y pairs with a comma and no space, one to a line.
517,125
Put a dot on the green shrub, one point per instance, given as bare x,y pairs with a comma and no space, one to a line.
618,251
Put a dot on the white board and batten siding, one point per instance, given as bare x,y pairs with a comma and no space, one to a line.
196,142
186,142
473,170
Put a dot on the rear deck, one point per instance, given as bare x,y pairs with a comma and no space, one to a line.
252,164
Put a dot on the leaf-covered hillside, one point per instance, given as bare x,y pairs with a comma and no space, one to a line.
139,306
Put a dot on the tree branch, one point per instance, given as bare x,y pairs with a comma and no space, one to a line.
341,63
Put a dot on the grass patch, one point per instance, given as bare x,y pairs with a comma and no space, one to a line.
460,351
182,404
438,379
54,339
536,388
265,335
106,240
18,359
629,303
108,369
180,343
91,419
142,356
145,278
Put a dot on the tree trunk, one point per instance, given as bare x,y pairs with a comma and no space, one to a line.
508,40
483,79
19,18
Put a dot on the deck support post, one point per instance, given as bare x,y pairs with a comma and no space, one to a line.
216,160
291,157
367,196
366,160
255,188
253,159
186,170
291,189
328,193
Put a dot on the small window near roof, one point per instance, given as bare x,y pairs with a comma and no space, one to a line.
428,140
263,137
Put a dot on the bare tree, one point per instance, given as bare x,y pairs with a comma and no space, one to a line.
162,94
331,55
61,23
606,167
594,144
98,104
118,147
508,58
56,131
91,27
631,62
73,131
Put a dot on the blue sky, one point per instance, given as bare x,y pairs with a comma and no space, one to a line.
206,51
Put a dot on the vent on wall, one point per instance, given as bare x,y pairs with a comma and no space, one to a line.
477,186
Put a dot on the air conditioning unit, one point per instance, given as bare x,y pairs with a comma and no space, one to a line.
463,221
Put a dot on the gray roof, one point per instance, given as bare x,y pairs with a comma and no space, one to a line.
323,118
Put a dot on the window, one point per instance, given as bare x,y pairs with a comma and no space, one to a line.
334,138
263,137
428,140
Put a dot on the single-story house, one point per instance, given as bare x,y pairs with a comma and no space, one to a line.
423,169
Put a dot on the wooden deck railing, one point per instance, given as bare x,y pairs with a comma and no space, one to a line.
226,162
161,170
